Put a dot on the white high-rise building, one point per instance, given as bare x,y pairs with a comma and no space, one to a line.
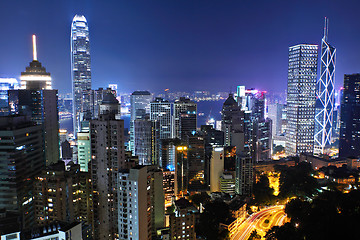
80,69
141,206
302,75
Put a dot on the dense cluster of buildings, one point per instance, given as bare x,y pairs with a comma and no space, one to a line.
100,183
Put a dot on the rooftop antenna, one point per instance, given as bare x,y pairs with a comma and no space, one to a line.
326,28
34,48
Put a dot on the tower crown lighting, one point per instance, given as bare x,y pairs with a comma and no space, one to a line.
34,48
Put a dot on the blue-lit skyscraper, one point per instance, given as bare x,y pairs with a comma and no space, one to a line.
80,69
325,93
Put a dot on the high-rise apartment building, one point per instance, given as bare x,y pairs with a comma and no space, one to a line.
182,221
222,166
325,96
61,195
349,145
302,74
185,116
139,108
107,158
21,158
161,111
80,68
140,202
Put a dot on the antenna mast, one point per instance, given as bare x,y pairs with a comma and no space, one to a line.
326,28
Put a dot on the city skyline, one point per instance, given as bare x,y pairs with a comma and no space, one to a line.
155,54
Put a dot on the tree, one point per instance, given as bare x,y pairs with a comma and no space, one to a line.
263,193
202,197
215,213
254,235
330,215
297,181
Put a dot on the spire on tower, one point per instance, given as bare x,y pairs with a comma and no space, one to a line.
326,28
34,48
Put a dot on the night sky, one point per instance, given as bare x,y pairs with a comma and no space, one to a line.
181,45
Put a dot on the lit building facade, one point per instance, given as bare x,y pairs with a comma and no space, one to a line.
302,74
97,97
5,85
349,145
182,222
140,202
107,158
325,96
232,118
185,116
21,154
146,141
84,150
62,195
161,111
80,68
139,108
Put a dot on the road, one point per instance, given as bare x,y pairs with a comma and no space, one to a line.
257,221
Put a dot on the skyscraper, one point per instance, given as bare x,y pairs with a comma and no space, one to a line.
140,107
232,121
302,74
107,158
185,112
80,69
146,141
350,117
21,157
5,85
37,100
161,111
325,96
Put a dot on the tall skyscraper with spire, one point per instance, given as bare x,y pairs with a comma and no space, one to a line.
325,96
38,100
80,69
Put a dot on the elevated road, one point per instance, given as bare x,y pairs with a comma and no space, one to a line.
260,221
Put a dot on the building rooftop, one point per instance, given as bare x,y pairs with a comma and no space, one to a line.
109,98
141,93
230,100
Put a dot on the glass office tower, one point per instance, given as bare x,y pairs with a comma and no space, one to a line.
302,75
325,96
80,69
349,145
